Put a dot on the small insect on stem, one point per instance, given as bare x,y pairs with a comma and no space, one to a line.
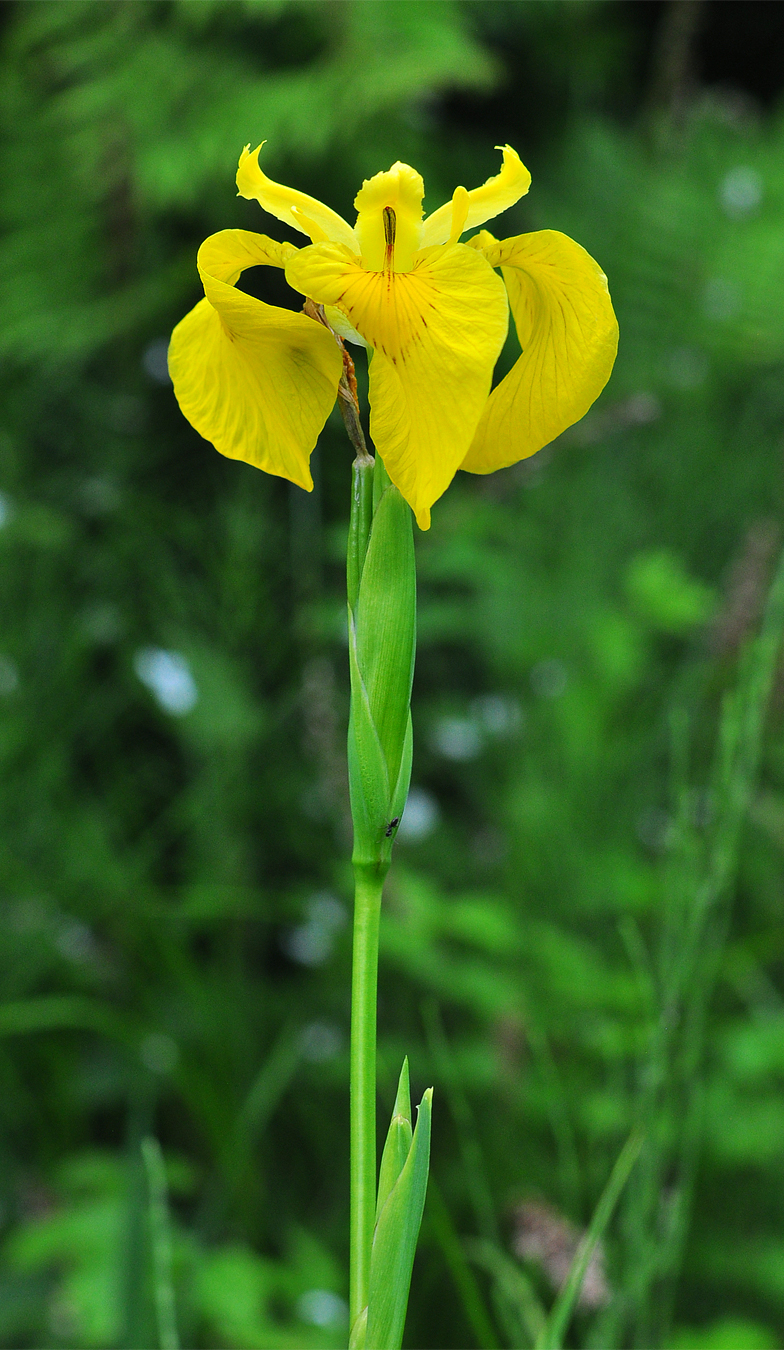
393,824
390,230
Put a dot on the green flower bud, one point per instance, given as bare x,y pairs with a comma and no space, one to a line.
382,641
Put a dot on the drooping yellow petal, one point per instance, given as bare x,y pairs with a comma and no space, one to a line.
305,213
225,256
256,380
436,332
389,218
569,338
485,202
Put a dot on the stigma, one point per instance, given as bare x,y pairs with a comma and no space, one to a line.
390,230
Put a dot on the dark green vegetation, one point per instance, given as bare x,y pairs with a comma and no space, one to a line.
587,932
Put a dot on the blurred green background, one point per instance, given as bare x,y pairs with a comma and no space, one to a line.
174,949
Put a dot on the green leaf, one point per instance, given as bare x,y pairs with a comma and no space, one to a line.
160,1244
665,595
367,770
386,624
48,1012
398,1143
517,1306
395,1239
381,481
400,794
356,1340
552,1335
362,480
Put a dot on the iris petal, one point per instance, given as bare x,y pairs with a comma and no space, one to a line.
305,213
256,380
485,202
436,332
401,189
569,338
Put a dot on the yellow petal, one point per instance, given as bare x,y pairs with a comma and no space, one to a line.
569,337
305,213
485,202
389,219
225,255
461,205
437,331
257,381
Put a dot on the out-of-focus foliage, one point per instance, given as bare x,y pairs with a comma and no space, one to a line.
174,955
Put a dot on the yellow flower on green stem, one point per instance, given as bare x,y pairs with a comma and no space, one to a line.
260,381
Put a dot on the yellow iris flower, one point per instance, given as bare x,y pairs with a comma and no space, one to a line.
259,381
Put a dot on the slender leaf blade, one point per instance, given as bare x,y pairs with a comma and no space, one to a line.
359,525
367,768
398,1141
395,1239
553,1333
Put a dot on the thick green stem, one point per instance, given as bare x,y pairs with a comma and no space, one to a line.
382,606
369,882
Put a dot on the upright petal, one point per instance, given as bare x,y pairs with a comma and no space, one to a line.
305,213
569,338
437,331
257,381
389,218
485,202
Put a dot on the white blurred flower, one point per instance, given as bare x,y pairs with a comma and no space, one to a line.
497,714
155,362
168,677
320,1041
721,299
9,676
456,738
322,1308
740,192
311,942
76,942
654,829
159,1053
640,409
549,678
688,368
420,816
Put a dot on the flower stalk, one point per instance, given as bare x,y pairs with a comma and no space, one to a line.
367,912
381,588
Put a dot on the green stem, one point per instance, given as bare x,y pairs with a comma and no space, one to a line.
369,882
161,1244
